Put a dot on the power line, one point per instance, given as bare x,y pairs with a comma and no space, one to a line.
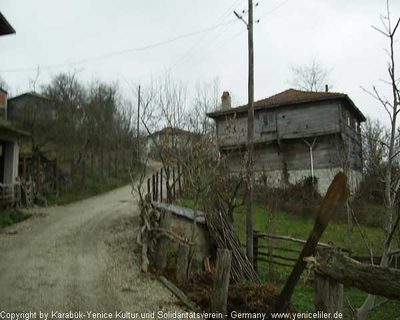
273,9
187,55
114,54
211,53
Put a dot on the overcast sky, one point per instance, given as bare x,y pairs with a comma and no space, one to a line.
105,34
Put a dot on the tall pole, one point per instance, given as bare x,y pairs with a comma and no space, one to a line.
250,142
137,127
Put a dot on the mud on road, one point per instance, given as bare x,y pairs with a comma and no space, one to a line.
80,257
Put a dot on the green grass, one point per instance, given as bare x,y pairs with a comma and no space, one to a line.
9,217
283,223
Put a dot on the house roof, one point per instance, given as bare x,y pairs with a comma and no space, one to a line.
29,94
292,97
170,130
9,130
5,26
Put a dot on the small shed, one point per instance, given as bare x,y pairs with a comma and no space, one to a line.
182,223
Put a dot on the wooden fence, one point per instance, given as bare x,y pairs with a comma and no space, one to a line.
165,184
276,250
283,251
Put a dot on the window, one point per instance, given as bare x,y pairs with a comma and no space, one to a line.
268,119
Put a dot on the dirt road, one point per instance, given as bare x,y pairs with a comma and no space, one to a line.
79,257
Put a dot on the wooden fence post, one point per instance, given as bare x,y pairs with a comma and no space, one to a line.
219,300
182,263
56,176
24,167
161,185
168,185
153,187
333,203
157,186
179,180
160,259
255,250
173,181
38,168
328,291
328,294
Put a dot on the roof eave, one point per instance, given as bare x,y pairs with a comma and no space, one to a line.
244,109
5,26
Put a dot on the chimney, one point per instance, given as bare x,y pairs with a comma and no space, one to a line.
326,88
226,101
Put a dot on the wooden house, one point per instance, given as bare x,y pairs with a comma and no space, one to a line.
170,139
297,134
30,106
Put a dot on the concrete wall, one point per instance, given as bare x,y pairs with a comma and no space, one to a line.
183,227
182,224
325,177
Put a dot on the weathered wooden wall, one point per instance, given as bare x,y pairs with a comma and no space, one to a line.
281,145
291,122
295,153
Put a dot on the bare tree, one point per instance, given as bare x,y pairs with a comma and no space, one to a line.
391,175
206,100
3,84
310,77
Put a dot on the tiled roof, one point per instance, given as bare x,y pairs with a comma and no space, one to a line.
291,97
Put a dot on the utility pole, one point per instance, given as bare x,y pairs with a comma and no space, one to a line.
137,127
250,141
250,137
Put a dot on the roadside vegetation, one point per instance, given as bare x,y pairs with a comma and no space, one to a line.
9,217
298,224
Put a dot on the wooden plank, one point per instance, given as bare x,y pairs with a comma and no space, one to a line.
332,204
182,263
160,259
177,292
288,238
219,300
282,264
265,254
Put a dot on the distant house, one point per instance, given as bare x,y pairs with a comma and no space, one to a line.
30,105
297,134
170,138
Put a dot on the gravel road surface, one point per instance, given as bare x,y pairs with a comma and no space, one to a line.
80,257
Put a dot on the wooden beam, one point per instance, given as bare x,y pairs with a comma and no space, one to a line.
332,204
372,279
189,303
